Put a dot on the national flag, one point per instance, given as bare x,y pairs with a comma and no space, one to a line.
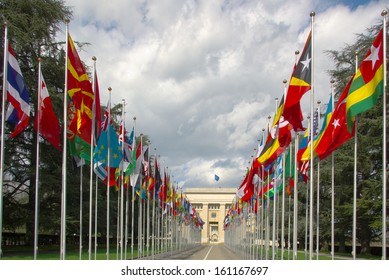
18,112
80,106
246,188
139,159
303,166
326,121
367,84
217,178
337,131
49,126
97,107
300,83
272,148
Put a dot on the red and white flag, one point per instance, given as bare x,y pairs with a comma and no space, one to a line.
49,127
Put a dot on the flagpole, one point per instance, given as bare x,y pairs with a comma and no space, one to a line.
122,184
36,220
2,132
64,152
354,240
96,195
80,238
295,194
274,202
133,196
318,191
108,167
312,14
91,161
332,186
384,13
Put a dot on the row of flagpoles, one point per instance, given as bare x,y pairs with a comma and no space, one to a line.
165,217
248,224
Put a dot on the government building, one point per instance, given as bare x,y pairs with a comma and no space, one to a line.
212,204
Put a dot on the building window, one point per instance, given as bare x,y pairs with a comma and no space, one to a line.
228,206
197,206
213,215
214,206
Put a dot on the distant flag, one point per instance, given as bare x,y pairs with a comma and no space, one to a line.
300,83
18,112
49,126
337,131
217,178
367,84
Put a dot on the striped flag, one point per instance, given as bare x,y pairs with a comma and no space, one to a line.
18,112
367,83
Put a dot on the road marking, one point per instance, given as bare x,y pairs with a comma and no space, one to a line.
209,251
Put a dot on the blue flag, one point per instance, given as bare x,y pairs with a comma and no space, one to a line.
217,178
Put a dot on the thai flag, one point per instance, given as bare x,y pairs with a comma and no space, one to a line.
18,112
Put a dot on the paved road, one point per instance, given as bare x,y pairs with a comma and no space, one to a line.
203,252
214,252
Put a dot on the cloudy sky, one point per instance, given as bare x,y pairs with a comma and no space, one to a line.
202,76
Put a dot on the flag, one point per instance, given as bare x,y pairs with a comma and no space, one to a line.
18,112
337,131
217,178
272,148
303,166
139,159
246,188
80,106
97,107
367,83
326,121
49,126
299,84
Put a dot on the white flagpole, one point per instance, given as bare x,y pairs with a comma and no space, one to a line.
153,209
38,111
332,186
81,177
64,153
133,197
384,221
354,240
96,196
312,14
122,185
3,131
91,160
295,194
318,191
283,193
108,167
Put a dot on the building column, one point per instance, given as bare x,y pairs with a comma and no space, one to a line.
221,221
204,233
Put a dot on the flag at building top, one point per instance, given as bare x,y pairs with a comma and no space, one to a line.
18,112
299,84
367,84
217,178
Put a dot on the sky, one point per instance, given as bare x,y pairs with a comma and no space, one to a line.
201,77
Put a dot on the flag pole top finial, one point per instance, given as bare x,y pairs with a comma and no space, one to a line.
312,14
384,12
134,118
284,81
263,129
296,52
269,117
109,89
67,21
332,81
318,102
356,53
5,23
39,59
94,58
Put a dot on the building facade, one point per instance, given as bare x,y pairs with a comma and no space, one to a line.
212,205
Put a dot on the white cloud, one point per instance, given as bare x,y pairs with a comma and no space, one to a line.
201,76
